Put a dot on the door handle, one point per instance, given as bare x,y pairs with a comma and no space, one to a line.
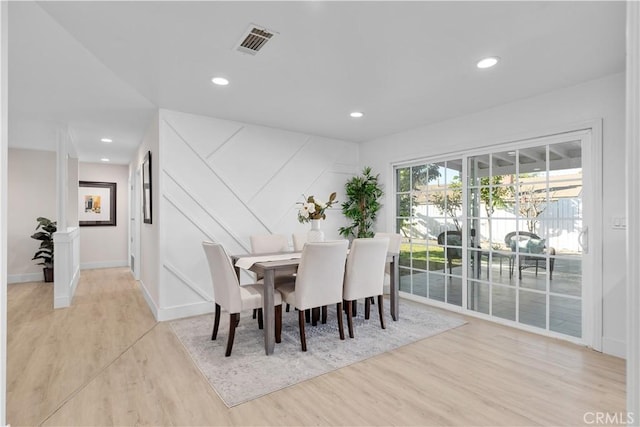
583,240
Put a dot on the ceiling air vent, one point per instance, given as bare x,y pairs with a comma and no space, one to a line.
254,39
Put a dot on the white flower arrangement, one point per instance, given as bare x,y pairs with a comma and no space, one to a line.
311,208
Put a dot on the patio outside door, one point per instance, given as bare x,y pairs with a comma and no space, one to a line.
505,233
528,234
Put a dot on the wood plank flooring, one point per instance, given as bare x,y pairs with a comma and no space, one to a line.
105,361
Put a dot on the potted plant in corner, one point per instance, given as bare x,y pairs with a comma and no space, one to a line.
45,251
362,205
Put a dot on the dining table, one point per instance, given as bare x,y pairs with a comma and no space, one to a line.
268,265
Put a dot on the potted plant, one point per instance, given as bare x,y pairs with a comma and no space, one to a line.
45,251
362,205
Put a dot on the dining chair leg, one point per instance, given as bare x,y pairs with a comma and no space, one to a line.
324,314
288,307
278,313
354,303
381,311
367,308
216,323
301,322
260,319
307,315
349,318
255,312
340,320
234,318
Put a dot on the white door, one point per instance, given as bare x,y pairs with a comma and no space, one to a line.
134,234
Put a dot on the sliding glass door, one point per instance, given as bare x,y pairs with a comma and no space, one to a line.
508,224
429,209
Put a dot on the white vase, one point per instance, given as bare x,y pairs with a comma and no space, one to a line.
315,234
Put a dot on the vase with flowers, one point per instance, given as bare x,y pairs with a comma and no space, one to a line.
313,210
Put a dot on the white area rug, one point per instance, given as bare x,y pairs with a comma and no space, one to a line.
248,373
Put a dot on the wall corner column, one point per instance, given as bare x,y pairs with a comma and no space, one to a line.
633,211
4,21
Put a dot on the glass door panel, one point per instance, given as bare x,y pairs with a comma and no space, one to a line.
506,233
428,208
524,210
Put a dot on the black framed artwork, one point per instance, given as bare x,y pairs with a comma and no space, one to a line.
97,203
146,189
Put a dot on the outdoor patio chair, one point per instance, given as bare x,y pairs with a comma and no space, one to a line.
453,238
531,249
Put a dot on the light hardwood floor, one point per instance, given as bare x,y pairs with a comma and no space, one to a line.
105,361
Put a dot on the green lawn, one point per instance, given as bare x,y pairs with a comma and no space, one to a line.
436,257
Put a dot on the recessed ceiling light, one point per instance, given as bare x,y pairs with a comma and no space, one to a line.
104,159
107,140
356,114
488,62
220,81
511,153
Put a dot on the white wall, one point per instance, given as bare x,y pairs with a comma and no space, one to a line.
106,246
4,20
32,193
599,99
149,263
222,180
73,169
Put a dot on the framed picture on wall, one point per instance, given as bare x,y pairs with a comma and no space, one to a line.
146,189
97,203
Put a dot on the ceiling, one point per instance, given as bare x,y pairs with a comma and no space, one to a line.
103,68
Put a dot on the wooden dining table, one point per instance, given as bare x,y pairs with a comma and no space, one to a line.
268,265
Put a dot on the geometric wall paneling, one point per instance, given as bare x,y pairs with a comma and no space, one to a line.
182,258
252,157
224,181
193,173
211,226
205,136
286,187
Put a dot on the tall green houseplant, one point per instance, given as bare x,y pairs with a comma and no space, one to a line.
362,205
45,251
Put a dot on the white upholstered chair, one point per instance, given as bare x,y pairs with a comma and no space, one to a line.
267,243
230,296
364,276
270,243
299,239
318,282
395,240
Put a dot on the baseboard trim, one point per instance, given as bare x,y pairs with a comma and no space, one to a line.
186,310
103,264
61,302
74,282
26,277
614,347
150,302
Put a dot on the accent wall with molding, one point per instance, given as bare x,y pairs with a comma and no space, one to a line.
222,180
